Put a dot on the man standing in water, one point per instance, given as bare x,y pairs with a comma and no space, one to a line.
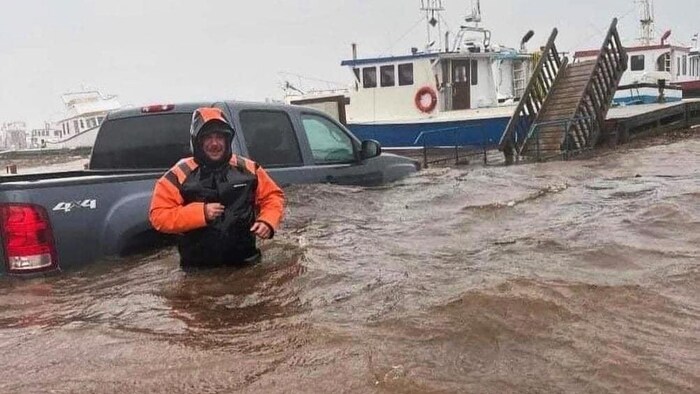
217,201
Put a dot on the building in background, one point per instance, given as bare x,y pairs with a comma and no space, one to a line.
13,135
40,138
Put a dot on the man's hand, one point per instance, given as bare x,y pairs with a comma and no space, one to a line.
261,230
213,211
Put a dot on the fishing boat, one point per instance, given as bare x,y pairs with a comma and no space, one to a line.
450,92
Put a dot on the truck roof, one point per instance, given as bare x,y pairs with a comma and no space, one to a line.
191,106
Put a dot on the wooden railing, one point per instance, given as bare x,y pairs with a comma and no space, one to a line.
600,90
532,101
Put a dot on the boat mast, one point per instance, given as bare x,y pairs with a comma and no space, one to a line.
646,21
433,10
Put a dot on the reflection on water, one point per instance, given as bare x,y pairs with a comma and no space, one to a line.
556,277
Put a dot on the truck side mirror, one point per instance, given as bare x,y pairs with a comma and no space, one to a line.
370,149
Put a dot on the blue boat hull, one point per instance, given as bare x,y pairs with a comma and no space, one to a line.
472,132
643,99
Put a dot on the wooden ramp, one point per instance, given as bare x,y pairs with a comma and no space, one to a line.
564,107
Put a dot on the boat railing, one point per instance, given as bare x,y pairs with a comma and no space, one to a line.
543,131
538,88
460,149
602,84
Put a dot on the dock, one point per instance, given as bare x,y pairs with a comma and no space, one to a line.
627,123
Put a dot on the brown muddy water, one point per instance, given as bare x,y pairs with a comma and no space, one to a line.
581,276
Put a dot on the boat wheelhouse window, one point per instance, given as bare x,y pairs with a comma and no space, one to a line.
386,76
406,74
369,77
637,63
685,65
475,72
664,63
678,66
328,142
82,124
100,119
356,71
76,127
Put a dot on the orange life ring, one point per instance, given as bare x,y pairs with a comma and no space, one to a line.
422,96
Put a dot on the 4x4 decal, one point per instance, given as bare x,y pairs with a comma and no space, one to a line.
69,206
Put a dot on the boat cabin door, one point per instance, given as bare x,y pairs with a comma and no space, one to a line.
461,95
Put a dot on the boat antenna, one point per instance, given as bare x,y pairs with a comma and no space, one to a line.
475,16
288,86
433,10
472,26
646,21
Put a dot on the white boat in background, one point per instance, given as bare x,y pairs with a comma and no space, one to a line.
657,72
85,112
462,94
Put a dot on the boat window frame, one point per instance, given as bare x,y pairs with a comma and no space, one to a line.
635,60
358,78
404,80
390,83
365,84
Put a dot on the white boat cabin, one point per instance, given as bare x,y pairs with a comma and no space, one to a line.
85,110
649,64
423,85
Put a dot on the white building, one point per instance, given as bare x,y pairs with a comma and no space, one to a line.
40,138
13,135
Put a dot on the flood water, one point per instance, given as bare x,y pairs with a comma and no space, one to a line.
580,276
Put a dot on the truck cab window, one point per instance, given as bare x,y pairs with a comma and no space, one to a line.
157,141
270,138
328,142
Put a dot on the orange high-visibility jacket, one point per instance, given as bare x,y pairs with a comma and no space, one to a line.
170,214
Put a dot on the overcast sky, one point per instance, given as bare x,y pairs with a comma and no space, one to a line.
156,51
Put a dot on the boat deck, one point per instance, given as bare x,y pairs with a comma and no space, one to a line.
625,123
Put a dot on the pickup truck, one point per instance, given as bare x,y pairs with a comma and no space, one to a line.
50,222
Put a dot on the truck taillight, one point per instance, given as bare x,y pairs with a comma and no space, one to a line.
27,238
